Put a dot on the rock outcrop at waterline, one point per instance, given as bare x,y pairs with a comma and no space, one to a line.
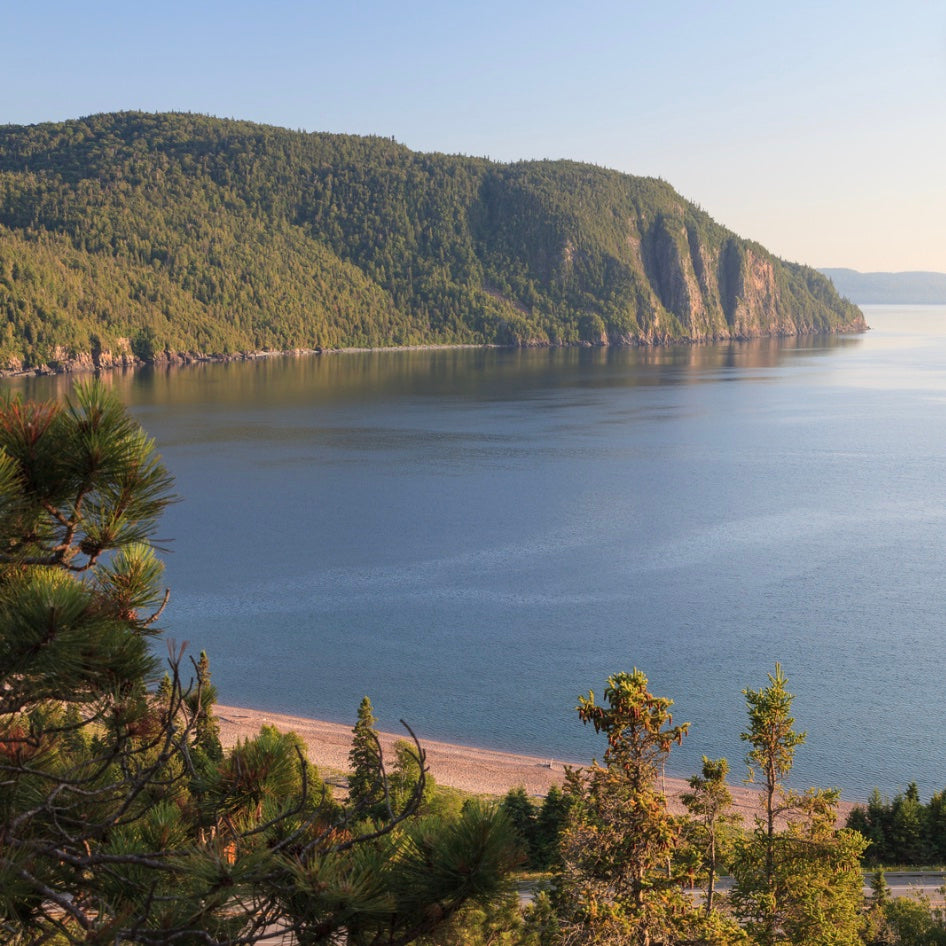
129,238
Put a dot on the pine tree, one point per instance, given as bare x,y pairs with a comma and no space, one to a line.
908,834
200,702
879,888
936,826
92,766
550,823
409,783
366,785
116,825
873,821
521,813
773,742
709,802
800,883
616,883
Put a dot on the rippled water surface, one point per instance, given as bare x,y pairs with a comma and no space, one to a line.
473,538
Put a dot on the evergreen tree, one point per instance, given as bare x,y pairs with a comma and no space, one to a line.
936,826
902,831
95,770
800,883
873,821
879,888
907,834
410,784
116,825
366,786
200,703
709,803
550,823
773,742
616,883
521,813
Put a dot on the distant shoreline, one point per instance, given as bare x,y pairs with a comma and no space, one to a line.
921,287
469,769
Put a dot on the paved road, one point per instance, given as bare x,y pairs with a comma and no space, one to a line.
902,884
912,884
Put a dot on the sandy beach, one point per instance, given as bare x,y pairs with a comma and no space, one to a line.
479,771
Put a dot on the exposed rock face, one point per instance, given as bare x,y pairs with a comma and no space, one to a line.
653,266
733,291
66,361
137,238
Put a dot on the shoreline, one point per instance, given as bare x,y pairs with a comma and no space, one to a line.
85,362
466,768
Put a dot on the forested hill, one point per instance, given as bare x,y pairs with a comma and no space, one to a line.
138,236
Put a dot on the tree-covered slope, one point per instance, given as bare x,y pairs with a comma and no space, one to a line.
131,235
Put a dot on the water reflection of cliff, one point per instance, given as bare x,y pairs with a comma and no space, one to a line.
477,373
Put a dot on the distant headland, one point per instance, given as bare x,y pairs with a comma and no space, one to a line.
132,238
909,288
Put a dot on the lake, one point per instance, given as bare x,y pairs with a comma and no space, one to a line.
474,538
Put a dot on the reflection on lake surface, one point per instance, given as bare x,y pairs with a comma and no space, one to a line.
454,372
475,537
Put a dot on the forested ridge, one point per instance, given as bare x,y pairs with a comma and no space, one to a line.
153,237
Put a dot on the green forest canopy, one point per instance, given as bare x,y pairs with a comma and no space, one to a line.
153,236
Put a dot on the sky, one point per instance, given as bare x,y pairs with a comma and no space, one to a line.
816,129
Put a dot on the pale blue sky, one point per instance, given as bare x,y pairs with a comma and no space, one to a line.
818,129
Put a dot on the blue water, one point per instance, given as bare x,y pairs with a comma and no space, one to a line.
476,538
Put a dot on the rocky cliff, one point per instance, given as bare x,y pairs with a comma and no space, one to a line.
131,237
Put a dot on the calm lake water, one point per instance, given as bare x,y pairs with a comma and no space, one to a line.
474,538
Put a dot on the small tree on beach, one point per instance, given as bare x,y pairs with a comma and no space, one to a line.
773,742
200,702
